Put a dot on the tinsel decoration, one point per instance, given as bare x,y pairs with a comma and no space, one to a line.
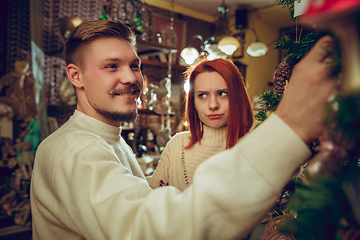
272,232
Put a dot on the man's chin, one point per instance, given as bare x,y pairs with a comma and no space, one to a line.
119,116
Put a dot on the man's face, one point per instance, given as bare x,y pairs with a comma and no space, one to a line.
111,80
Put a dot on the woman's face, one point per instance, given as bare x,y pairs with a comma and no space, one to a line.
211,99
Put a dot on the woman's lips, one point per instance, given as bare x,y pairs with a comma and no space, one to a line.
214,116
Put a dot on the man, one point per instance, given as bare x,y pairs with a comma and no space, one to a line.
87,184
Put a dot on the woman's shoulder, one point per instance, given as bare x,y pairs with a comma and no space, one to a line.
182,134
180,137
175,145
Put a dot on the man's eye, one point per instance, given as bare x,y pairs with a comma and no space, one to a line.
111,66
135,67
223,94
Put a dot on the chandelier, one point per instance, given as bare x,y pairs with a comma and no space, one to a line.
222,44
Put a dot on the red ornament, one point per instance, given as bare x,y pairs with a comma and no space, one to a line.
319,10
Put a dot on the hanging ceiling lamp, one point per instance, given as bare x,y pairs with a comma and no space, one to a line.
256,48
221,40
190,54
228,45
220,45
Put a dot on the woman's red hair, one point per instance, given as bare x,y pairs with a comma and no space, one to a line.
240,118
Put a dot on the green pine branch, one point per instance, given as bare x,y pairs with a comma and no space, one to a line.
289,4
261,115
297,50
269,102
316,209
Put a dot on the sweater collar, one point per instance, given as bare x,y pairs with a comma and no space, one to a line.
95,125
214,136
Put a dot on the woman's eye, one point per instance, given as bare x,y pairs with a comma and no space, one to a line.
223,94
201,95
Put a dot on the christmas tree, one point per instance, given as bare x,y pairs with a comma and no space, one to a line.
322,201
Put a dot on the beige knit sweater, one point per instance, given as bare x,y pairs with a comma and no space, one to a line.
177,166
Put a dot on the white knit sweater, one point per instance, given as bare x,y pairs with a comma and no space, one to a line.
177,166
86,184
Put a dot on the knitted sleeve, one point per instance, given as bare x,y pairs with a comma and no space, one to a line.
160,176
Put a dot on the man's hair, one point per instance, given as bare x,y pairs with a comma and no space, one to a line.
91,30
240,118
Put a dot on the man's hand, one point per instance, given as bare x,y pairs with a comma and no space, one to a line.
310,86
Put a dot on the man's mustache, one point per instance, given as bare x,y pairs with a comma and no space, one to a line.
131,88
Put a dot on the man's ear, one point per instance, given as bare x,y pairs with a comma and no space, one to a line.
73,73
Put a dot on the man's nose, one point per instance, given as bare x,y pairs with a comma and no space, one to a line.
128,76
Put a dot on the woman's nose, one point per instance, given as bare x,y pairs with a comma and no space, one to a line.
214,105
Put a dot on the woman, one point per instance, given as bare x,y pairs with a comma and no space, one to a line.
219,113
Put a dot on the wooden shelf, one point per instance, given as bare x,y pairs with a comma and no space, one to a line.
150,112
147,112
145,48
16,230
161,64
